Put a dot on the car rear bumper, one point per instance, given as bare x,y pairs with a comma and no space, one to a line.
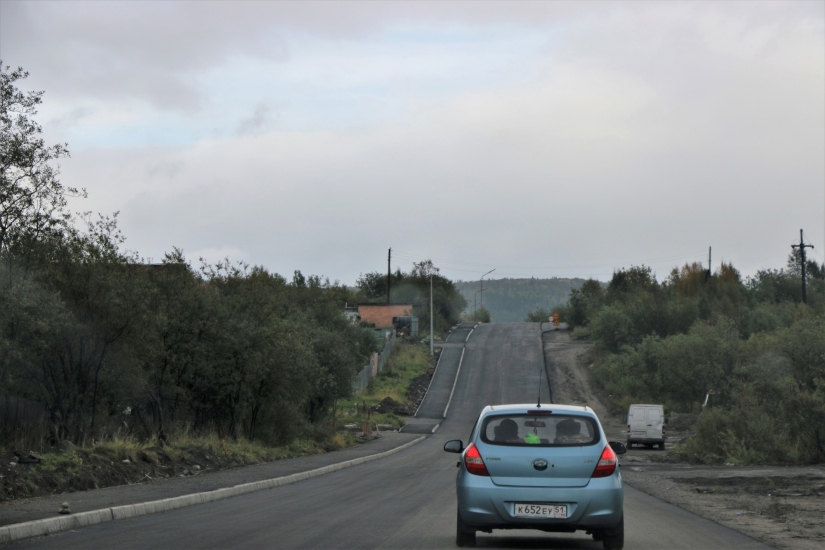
484,505
645,440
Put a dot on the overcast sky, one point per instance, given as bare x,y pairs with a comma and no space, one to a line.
538,138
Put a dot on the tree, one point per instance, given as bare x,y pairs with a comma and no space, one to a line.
584,302
32,199
414,287
481,315
538,315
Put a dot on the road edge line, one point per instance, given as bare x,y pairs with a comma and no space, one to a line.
431,382
48,526
457,372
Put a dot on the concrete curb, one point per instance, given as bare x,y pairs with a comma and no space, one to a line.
49,526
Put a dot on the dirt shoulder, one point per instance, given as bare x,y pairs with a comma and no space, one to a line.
782,506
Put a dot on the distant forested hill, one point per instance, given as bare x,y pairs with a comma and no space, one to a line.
511,300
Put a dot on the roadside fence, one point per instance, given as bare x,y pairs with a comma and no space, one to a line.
377,363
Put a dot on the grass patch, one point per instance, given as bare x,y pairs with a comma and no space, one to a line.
123,461
580,333
407,362
70,463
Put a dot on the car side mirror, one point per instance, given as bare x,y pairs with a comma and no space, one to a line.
666,421
618,447
454,446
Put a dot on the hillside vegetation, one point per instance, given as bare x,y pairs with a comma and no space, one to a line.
752,342
511,300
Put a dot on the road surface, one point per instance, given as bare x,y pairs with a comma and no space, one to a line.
406,500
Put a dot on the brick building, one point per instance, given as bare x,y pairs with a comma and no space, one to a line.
381,314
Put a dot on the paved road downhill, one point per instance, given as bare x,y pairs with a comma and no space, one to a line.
406,500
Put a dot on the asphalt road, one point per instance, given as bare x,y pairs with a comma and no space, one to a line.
406,500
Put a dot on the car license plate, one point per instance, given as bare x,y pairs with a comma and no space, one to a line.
541,510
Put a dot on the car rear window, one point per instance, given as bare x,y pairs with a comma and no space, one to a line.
557,430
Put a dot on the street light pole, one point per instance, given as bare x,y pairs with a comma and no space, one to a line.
482,287
475,301
431,315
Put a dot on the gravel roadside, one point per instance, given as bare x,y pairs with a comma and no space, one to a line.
780,506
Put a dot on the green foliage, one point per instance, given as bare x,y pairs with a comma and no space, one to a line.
68,462
88,331
481,315
538,315
33,203
414,288
752,342
583,303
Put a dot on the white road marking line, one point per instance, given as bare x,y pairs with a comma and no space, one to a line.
447,408
48,526
435,370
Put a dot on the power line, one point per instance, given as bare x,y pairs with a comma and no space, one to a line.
517,274
482,266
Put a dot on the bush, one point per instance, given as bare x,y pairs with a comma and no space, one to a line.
481,315
538,315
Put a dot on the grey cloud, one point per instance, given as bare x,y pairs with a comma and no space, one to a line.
70,118
255,122
152,50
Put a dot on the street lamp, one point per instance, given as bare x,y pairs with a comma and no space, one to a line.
475,301
431,315
482,287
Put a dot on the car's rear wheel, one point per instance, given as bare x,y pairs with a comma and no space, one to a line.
464,534
614,538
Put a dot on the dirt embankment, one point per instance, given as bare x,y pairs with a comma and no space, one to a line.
779,505
108,465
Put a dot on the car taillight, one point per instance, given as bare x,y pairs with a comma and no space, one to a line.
628,428
607,463
473,462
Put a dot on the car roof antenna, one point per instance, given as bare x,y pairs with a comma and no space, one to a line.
538,401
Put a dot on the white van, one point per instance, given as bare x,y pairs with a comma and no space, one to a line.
646,426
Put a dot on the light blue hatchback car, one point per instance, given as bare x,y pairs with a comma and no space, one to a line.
546,467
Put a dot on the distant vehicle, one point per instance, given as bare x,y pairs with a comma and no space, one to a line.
545,467
646,426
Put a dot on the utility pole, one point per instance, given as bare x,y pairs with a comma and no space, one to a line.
482,287
431,315
802,246
389,280
709,271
